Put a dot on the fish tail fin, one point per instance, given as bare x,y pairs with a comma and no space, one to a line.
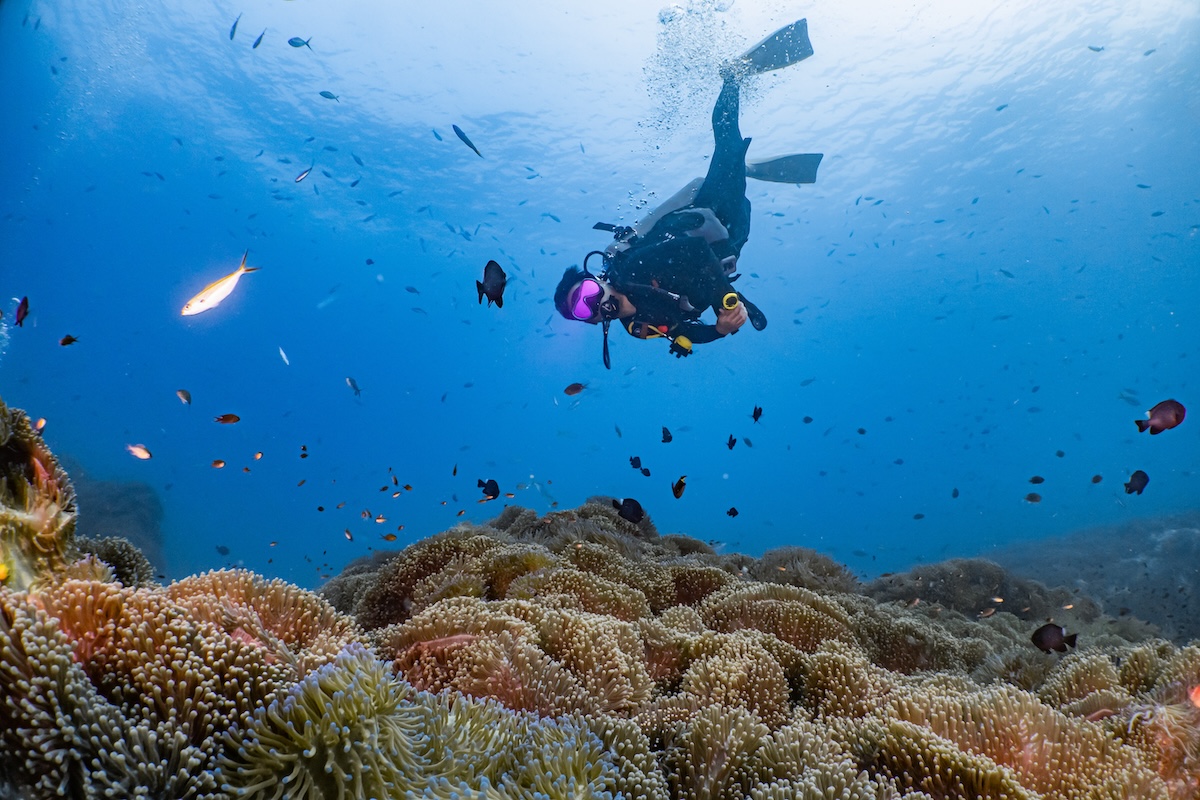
243,268
1070,640
1142,425
479,288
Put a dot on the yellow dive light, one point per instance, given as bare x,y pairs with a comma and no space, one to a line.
730,301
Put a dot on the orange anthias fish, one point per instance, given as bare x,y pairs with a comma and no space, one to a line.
138,451
212,295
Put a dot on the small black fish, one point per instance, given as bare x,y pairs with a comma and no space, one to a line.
222,550
630,510
1137,482
747,442
667,437
492,285
756,415
1037,479
678,486
1053,637
458,132
491,489
635,462
353,384
23,312
732,441
954,493
732,512
233,30
646,471
258,41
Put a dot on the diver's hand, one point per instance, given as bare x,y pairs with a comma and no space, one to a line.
729,321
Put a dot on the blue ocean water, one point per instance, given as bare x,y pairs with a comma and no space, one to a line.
994,275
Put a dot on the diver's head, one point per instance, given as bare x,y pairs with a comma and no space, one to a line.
584,297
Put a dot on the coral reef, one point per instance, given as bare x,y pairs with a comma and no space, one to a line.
352,730
1158,580
801,566
976,585
129,565
37,505
561,657
797,687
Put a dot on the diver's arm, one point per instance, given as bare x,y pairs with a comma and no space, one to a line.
727,322
698,332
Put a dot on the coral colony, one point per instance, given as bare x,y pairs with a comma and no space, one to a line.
575,655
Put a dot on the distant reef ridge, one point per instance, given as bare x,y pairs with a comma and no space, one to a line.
571,655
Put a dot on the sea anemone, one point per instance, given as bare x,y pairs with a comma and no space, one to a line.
37,504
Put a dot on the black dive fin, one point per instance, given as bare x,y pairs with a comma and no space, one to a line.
798,168
757,318
782,48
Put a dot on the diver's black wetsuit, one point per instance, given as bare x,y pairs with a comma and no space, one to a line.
666,260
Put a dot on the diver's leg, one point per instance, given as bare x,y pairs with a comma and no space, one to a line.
724,188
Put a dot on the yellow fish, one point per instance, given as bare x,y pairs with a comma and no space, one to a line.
212,295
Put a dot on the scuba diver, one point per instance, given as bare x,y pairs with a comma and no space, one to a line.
659,276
